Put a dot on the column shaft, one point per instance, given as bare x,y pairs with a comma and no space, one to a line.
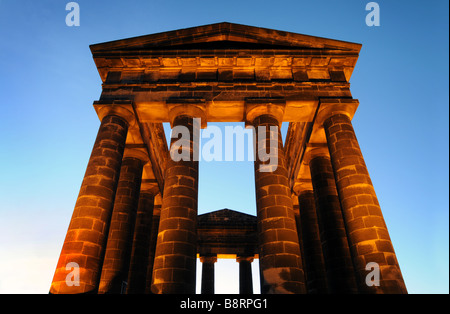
280,260
367,232
245,275
120,237
176,249
85,241
208,274
312,247
337,257
152,248
141,244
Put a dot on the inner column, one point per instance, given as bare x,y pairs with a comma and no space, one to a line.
120,238
312,247
152,243
337,257
141,240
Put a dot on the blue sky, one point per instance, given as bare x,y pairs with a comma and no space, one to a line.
49,82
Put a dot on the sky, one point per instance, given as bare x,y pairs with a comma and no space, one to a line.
49,82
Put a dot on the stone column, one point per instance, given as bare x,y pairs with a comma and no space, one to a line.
312,247
367,232
174,269
137,273
336,252
280,259
120,237
245,274
84,245
153,239
208,274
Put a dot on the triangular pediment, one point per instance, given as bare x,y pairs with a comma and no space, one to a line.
226,217
225,36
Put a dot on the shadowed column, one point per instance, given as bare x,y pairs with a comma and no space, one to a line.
280,260
174,269
336,252
141,243
245,275
152,247
312,247
366,229
208,274
120,238
85,241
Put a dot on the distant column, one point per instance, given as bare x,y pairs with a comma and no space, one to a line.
174,269
120,238
280,260
137,273
85,242
208,274
312,247
152,247
245,274
336,252
367,232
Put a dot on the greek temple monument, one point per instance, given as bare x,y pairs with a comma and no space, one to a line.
318,228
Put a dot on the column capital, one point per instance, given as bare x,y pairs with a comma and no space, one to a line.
195,108
123,109
255,107
331,106
208,259
149,186
314,150
139,153
245,259
301,186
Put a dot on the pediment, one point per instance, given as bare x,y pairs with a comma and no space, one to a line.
226,217
224,36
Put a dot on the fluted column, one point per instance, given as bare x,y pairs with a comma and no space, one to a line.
208,274
174,269
245,274
85,241
120,237
312,247
367,232
137,273
280,260
337,257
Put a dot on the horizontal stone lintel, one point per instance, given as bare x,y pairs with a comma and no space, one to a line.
222,110
237,86
228,74
207,58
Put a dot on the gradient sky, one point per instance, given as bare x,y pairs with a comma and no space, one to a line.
49,81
